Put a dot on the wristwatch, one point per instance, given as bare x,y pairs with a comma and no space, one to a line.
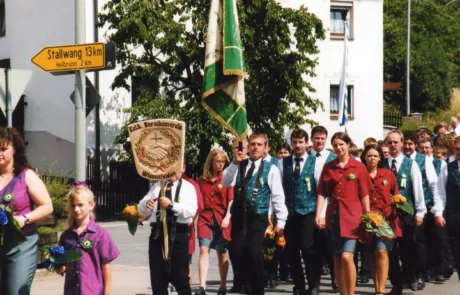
26,220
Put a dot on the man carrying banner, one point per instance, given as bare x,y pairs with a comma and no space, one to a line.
261,186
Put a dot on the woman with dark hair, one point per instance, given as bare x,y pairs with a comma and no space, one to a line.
346,182
384,185
283,150
23,190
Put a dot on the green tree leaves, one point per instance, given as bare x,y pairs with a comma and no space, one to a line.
162,44
435,39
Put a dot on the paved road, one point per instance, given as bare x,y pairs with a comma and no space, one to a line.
131,274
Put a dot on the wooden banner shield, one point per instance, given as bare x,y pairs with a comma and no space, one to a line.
158,147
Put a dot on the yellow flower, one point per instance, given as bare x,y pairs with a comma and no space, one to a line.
269,232
130,211
377,220
281,242
398,199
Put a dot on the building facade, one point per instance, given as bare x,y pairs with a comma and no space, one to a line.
365,65
27,26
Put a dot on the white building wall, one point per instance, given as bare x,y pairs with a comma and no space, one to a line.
49,116
365,67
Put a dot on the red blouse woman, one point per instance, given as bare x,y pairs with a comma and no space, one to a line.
346,182
384,185
214,221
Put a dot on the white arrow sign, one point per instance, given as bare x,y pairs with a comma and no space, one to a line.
17,82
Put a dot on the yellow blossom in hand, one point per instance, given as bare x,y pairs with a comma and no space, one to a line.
130,211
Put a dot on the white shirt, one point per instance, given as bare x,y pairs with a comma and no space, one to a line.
302,163
274,183
431,177
451,158
457,129
417,187
268,158
442,181
185,209
319,165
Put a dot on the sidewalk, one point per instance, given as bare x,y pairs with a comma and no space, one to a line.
126,280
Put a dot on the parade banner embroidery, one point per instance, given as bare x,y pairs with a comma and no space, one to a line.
343,88
158,148
223,87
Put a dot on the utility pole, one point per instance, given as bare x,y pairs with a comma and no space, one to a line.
80,96
9,103
408,61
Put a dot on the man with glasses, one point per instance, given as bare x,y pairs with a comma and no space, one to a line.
409,181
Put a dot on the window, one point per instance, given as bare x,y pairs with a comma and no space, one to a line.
2,18
340,12
334,99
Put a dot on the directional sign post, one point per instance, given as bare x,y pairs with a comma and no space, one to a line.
69,58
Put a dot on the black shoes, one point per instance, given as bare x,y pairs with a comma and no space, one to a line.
414,284
313,291
222,291
325,270
200,291
237,289
395,291
364,278
334,285
420,284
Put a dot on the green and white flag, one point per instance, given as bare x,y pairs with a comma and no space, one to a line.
223,87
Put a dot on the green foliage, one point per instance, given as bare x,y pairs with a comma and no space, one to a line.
46,230
169,38
408,126
434,54
58,187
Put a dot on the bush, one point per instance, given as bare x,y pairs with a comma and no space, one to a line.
58,188
408,126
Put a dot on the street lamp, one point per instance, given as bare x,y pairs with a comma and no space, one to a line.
408,60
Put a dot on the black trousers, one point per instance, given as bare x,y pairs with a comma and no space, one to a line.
361,255
453,230
247,253
411,250
436,245
303,238
178,275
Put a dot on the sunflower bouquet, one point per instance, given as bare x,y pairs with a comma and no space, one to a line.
400,203
131,215
375,222
271,241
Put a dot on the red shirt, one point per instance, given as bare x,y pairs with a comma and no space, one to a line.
384,185
345,187
216,198
191,237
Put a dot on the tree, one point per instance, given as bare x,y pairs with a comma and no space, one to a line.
435,57
162,45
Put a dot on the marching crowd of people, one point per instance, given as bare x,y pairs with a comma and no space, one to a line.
311,198
314,198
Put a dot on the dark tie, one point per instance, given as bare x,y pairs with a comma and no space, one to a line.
318,155
250,172
393,167
297,167
168,194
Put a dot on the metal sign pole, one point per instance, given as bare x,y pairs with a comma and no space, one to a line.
80,93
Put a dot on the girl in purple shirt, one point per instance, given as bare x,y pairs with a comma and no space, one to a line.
91,275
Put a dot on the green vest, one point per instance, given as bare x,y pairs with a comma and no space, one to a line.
300,193
453,191
420,159
262,200
404,173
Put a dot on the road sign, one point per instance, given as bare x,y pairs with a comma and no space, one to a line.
67,58
92,96
18,80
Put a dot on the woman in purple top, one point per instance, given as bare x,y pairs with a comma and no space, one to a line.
91,275
23,190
